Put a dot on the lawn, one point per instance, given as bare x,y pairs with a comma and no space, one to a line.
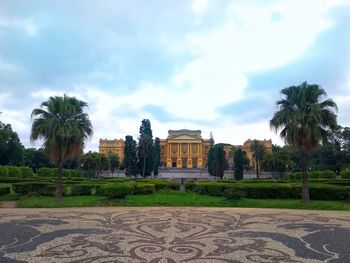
172,198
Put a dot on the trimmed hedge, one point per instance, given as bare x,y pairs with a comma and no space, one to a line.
40,188
345,174
4,171
327,174
275,190
116,190
14,171
144,189
26,172
46,172
81,189
4,190
162,184
234,194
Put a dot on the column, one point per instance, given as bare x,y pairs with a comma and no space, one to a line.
200,159
189,156
169,163
179,160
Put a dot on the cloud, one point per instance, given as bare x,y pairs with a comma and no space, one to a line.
219,68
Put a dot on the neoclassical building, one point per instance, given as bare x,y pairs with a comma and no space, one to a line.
184,149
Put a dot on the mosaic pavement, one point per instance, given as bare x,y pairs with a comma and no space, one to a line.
168,235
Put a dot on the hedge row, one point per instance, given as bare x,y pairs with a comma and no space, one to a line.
271,191
15,171
52,172
326,174
345,174
40,188
4,190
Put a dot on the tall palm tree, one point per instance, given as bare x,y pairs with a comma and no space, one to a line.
306,119
63,126
258,151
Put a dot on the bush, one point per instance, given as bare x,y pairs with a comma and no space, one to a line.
4,171
161,184
234,194
345,174
46,172
26,172
296,176
190,186
14,171
66,173
116,190
329,192
81,189
314,175
41,188
327,174
210,188
145,189
4,190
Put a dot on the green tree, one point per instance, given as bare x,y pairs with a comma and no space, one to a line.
63,126
216,161
94,163
36,158
11,149
130,157
238,162
258,150
156,156
114,162
306,120
145,149
276,162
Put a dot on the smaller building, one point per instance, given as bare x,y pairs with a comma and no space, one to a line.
115,146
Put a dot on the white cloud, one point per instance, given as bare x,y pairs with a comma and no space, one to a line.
29,26
199,6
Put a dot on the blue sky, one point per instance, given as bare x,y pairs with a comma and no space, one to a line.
202,64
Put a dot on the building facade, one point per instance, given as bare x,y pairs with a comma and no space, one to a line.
185,149
115,146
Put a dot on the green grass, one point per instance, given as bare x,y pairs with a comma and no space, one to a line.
172,198
69,201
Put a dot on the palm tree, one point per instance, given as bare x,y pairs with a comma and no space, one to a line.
63,126
258,151
306,119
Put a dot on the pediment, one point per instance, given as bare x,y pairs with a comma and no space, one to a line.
184,137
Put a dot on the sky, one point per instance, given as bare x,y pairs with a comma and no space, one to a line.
213,65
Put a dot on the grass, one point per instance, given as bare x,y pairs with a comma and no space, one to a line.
68,201
172,198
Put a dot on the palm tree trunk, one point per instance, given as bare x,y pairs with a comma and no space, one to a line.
257,169
305,196
59,189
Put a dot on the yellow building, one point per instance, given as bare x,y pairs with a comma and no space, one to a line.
115,146
185,149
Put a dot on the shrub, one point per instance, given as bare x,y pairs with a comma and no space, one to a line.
161,184
314,174
14,171
116,190
26,172
234,194
210,188
145,189
190,186
66,173
46,172
4,190
41,188
345,174
4,171
81,189
327,174
329,192
296,176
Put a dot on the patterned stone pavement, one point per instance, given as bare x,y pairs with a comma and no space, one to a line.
168,235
